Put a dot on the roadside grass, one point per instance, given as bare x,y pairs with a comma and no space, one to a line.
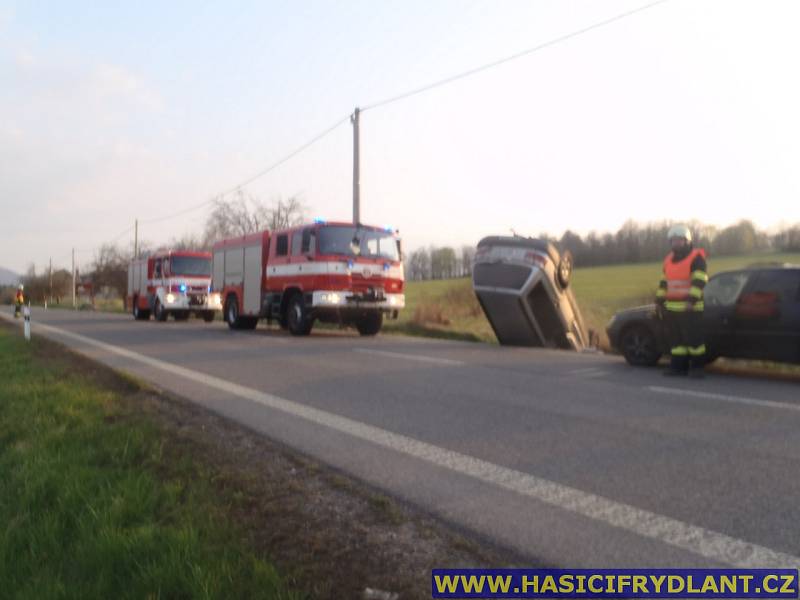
444,309
93,507
112,305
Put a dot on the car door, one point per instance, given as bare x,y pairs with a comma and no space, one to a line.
768,316
720,296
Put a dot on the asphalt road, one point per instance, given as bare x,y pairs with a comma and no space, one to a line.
572,460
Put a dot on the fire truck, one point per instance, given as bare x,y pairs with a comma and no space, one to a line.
327,271
176,283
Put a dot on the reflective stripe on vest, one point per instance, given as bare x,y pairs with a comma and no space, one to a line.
679,275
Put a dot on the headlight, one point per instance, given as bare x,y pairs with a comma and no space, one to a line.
170,298
216,299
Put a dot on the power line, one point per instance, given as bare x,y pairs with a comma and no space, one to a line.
391,100
515,56
258,175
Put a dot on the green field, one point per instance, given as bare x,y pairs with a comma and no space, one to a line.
93,506
448,309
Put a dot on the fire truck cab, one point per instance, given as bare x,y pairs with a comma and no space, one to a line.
332,272
176,283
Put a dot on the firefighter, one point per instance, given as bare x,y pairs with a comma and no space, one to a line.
680,303
19,300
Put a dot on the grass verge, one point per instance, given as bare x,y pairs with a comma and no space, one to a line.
91,504
112,489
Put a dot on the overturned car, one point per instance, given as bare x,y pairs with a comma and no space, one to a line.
522,284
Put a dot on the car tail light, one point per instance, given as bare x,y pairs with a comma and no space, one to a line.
535,258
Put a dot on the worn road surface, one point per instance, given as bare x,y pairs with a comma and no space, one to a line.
570,460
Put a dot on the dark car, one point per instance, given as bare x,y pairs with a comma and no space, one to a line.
522,284
752,313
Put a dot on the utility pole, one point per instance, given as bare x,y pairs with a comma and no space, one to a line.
73,278
50,298
136,238
354,119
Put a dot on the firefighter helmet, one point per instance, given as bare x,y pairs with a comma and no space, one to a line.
680,231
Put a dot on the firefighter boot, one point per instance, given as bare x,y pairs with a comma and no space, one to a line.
678,365
697,368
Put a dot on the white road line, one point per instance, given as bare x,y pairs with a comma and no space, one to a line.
709,544
417,357
723,397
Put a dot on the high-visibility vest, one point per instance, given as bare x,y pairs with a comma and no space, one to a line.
679,275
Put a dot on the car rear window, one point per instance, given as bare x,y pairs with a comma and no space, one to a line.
500,275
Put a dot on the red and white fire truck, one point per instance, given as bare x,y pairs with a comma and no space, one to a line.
176,283
331,272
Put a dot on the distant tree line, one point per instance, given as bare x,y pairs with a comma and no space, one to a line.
635,243
242,214
439,263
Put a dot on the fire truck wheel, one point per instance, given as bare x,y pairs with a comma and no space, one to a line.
208,316
370,324
159,312
138,313
232,313
297,317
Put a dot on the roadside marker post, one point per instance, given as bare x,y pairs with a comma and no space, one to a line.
26,312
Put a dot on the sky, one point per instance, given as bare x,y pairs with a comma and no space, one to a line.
116,111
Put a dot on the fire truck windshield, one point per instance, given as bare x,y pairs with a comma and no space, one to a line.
358,241
196,266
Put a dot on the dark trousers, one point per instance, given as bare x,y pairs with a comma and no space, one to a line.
686,339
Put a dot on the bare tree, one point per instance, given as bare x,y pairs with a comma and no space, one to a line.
189,241
419,265
283,214
244,213
467,258
110,269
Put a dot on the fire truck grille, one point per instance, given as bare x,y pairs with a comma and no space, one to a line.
197,300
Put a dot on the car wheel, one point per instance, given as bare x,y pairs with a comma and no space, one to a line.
639,346
370,324
297,318
181,316
564,269
159,313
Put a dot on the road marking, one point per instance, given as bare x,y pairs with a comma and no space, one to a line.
704,542
417,357
723,397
